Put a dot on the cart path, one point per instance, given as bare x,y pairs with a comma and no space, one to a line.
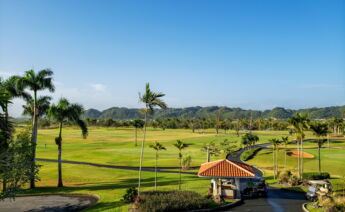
276,201
147,169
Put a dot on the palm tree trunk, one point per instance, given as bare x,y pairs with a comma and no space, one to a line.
4,181
285,158
179,185
319,157
302,159
136,137
34,141
277,153
156,170
298,160
60,184
273,154
142,151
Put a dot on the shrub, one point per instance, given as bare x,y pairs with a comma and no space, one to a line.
162,201
249,154
186,161
130,195
293,180
284,176
316,175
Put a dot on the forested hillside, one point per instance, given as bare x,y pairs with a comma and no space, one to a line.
211,112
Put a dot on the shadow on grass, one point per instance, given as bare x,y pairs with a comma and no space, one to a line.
107,206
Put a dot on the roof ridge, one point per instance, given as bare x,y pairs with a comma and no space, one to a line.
215,165
213,161
234,163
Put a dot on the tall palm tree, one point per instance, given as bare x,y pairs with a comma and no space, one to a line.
275,142
35,82
320,130
137,123
66,112
180,146
157,147
285,140
151,100
299,124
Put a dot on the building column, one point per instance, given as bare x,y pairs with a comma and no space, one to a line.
238,188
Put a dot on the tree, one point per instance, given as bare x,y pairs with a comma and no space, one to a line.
151,100
211,149
285,140
43,103
249,139
180,146
227,147
137,123
275,142
298,124
319,130
9,89
36,82
157,147
66,112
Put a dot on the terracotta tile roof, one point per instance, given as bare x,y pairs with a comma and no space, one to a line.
225,168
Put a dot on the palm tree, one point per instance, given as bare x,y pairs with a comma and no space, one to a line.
210,149
180,146
43,103
275,142
299,123
320,130
36,82
66,112
285,141
137,123
158,147
151,100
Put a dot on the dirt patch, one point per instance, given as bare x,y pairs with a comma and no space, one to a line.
294,153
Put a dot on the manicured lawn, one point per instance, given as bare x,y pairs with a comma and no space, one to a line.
116,146
109,184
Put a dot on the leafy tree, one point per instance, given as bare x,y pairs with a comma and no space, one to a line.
36,82
320,130
249,139
227,147
137,124
180,146
157,147
211,149
151,100
66,112
298,124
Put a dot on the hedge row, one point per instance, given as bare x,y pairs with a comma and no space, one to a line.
249,154
316,175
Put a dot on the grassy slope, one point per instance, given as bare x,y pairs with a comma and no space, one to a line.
116,146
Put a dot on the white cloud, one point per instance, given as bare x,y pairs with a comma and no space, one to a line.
6,74
98,87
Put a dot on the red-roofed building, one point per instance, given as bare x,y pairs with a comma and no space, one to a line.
229,178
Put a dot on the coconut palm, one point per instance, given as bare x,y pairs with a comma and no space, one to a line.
299,123
137,123
157,147
66,112
180,146
151,100
275,142
285,140
35,82
319,130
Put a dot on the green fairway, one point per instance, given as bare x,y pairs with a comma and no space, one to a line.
116,146
109,184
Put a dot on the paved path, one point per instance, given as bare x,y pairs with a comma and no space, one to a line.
276,201
50,203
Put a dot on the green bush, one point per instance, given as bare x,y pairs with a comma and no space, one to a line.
249,154
284,176
130,195
162,201
316,175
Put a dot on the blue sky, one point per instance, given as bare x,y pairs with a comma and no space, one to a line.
238,53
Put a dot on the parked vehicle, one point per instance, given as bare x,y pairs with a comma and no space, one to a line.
318,189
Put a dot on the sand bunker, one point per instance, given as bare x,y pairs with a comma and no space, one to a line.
294,153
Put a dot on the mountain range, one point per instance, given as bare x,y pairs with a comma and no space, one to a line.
124,113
